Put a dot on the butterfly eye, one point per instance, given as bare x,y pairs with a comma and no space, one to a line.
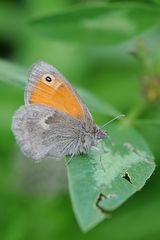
48,78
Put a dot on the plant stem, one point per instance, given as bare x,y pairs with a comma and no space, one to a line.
135,113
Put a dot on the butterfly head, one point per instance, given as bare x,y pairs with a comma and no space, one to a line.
99,133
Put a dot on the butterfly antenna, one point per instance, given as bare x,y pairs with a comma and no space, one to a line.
118,117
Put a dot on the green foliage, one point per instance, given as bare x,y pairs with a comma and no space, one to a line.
100,24
12,73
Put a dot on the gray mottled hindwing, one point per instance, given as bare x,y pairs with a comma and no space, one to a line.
42,131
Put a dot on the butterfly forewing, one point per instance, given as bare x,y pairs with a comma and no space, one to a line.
49,88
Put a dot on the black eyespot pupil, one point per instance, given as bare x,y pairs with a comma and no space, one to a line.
48,79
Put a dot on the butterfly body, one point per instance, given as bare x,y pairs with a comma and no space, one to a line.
53,121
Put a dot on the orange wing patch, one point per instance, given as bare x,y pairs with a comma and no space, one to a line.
52,91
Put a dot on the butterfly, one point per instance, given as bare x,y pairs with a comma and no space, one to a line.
54,121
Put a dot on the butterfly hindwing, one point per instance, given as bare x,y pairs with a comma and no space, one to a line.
42,131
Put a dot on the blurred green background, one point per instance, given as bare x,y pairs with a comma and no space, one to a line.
34,200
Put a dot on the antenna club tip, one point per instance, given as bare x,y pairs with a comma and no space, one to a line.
122,115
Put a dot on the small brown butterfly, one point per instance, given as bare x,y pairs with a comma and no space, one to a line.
54,121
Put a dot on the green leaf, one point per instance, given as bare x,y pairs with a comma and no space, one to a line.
17,75
101,181
147,122
157,1
98,24
12,73
97,105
